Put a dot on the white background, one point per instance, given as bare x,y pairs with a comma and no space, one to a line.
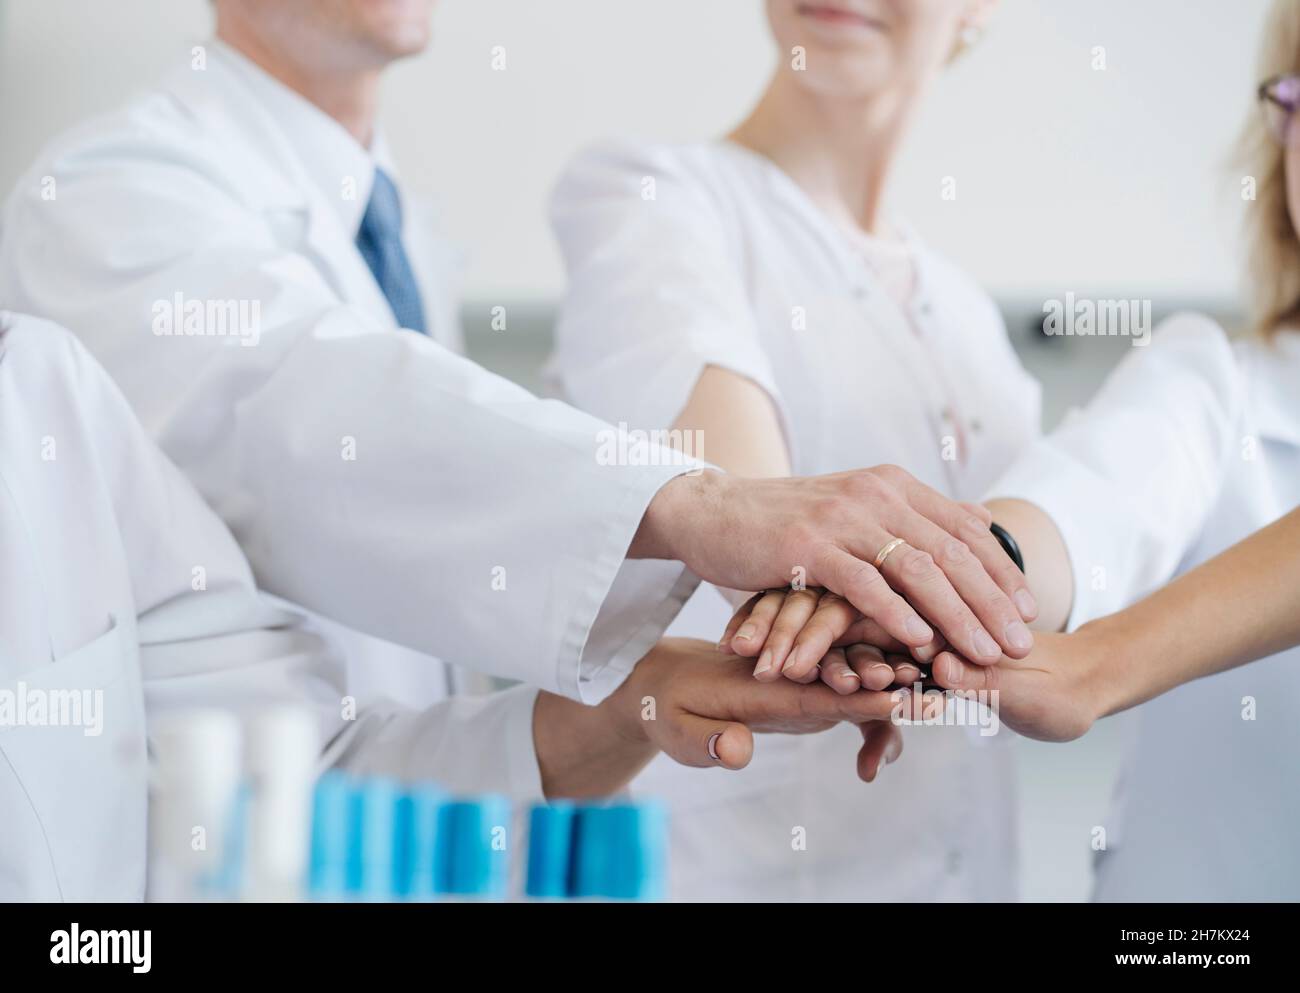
1067,178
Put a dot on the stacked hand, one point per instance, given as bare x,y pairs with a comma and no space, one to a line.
892,547
1051,694
707,705
905,573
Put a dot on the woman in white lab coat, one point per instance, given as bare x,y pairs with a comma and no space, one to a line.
754,289
1191,445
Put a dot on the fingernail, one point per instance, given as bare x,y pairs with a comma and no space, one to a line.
985,646
764,662
951,674
713,745
1019,637
876,775
882,670
724,645
746,631
1026,604
848,673
918,629
796,657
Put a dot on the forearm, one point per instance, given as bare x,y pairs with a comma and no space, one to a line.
739,432
582,751
1047,560
1240,606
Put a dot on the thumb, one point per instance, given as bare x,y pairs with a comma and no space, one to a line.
704,741
952,672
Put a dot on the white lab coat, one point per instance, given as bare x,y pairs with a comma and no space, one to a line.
73,800
1190,446
370,475
730,264
119,580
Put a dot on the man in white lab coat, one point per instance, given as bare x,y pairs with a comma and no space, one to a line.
125,597
232,247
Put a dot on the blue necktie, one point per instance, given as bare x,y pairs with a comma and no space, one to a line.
380,244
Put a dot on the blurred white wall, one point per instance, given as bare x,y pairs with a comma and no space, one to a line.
1067,177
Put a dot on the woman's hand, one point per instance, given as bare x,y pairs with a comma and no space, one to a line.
1055,694
812,633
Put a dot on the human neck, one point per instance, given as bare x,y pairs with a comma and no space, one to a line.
351,97
839,150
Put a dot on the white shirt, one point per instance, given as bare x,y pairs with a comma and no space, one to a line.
120,581
1189,447
730,264
372,476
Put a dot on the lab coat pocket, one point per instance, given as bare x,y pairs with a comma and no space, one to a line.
73,787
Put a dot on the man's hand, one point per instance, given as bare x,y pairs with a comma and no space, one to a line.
702,708
699,707
1055,694
753,534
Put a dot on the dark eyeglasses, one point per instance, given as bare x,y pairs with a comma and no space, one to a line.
1280,96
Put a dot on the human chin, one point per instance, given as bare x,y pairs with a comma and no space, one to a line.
846,73
397,27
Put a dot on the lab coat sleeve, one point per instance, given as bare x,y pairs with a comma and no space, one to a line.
465,744
655,290
207,637
236,650
370,475
1131,479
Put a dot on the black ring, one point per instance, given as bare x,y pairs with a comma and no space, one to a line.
1008,544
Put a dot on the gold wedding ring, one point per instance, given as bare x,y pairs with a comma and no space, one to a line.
884,552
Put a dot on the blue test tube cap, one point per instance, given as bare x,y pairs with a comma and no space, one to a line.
415,845
472,838
636,867
592,850
550,850
329,837
372,813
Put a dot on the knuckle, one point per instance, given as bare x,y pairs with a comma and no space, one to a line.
891,473
919,565
860,488
866,583
971,528
955,554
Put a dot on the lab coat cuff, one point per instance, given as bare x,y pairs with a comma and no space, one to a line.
1069,494
634,606
524,776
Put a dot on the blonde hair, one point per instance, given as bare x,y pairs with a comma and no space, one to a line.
1273,242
